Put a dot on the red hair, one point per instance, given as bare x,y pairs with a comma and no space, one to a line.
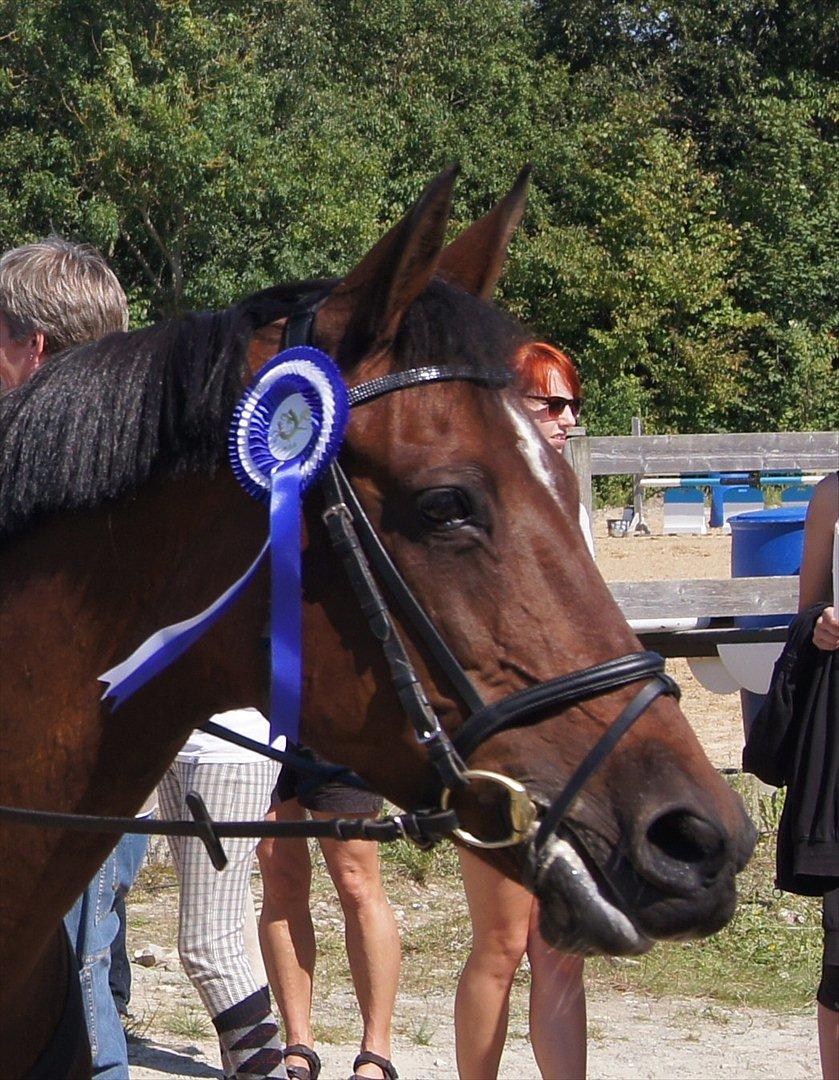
534,362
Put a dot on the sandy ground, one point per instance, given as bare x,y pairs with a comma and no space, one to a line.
629,1036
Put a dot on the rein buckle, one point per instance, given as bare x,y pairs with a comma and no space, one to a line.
521,809
336,510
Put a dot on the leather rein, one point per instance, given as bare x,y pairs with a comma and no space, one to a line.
357,544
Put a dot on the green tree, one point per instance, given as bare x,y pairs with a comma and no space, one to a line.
684,197
167,134
750,84
629,266
214,148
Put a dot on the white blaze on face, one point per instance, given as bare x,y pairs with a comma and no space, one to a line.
534,448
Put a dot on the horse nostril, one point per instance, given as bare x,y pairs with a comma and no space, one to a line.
681,850
685,837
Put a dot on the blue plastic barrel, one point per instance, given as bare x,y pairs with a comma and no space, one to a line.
765,543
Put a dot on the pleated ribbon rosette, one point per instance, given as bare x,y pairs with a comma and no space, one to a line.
284,432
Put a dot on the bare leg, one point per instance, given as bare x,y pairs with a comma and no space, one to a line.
372,938
829,1042
253,949
557,1007
285,927
500,912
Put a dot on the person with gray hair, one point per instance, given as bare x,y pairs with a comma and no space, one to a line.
53,294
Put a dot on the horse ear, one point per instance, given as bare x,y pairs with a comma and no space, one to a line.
475,259
366,309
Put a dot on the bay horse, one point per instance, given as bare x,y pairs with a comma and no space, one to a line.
119,517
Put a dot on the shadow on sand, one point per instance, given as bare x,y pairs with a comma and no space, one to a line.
179,1062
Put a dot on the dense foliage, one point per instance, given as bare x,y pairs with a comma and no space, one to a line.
680,239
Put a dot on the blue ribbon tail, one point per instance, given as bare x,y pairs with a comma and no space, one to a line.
165,646
286,604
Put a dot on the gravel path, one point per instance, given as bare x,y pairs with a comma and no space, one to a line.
630,1036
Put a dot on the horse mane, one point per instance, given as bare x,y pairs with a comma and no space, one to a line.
97,420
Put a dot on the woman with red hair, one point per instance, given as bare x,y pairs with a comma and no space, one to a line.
505,917
551,389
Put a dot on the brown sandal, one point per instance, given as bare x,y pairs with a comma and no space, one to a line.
366,1057
299,1072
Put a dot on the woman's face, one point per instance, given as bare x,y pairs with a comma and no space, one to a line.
556,412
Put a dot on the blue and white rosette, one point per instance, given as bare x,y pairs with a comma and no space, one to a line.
285,430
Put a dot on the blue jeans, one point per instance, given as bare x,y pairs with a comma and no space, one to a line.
92,924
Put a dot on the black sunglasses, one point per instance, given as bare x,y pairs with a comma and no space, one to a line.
556,406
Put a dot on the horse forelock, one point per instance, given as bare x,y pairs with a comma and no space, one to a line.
447,325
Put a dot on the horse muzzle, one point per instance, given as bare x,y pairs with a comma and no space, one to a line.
673,877
578,912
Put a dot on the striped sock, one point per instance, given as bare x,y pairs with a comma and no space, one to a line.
249,1038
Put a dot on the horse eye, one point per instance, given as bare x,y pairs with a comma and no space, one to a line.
444,507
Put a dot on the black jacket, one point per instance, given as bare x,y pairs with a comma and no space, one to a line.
794,740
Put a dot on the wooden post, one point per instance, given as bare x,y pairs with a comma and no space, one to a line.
578,452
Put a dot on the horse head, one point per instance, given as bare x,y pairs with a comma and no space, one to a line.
481,518
116,519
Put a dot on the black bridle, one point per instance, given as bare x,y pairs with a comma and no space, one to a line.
357,544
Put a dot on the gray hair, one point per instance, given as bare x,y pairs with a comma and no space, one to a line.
64,290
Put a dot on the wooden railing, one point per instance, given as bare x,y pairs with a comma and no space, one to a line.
661,455
723,598
721,601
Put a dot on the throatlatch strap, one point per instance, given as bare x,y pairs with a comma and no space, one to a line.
298,327
321,772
